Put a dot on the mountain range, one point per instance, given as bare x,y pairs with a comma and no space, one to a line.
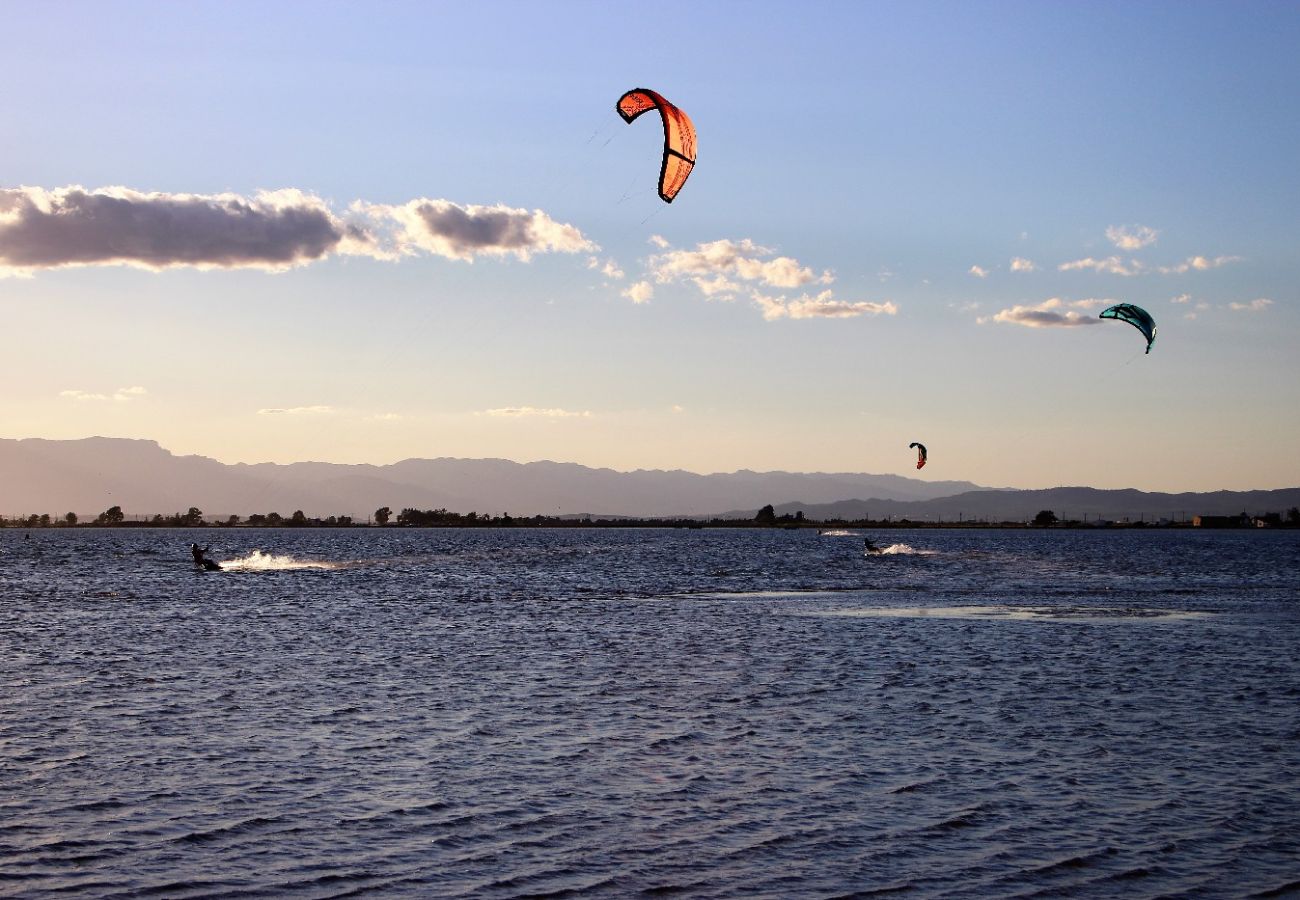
90,475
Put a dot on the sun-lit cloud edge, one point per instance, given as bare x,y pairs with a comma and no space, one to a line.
525,412
121,395
1115,265
319,410
724,270
1259,304
734,261
640,292
821,306
1131,237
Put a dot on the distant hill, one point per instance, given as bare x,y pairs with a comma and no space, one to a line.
90,475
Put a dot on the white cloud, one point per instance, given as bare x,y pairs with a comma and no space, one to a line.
1131,237
677,408
609,268
1257,305
1181,298
727,259
1020,264
1052,313
120,395
721,287
722,270
531,412
641,292
822,306
1198,264
296,411
1114,265
978,272
1111,265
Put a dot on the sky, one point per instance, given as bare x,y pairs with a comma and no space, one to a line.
361,233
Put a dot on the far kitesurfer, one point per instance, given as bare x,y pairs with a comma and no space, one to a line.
199,559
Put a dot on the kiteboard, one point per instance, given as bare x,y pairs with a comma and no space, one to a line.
210,566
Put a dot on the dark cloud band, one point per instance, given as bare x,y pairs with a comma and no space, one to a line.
116,226
73,226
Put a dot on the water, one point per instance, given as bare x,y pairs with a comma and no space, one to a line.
706,713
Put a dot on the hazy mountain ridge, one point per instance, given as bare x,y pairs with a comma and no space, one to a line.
89,475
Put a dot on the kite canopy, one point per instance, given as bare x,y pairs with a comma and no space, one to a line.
1136,316
920,453
679,137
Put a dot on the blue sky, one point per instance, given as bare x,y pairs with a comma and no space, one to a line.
902,188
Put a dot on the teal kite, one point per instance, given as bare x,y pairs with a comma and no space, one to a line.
1136,316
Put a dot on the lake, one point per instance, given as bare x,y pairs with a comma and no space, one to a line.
614,712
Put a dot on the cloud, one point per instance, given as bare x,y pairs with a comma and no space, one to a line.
1181,298
610,269
120,395
116,226
297,411
1257,305
677,408
1114,265
271,230
823,306
721,287
458,232
723,270
1053,313
530,411
1198,264
1131,237
1111,265
727,259
1020,264
978,272
641,292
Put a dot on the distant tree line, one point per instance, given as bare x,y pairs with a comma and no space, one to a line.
442,518
113,517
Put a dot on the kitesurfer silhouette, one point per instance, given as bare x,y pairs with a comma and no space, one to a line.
200,560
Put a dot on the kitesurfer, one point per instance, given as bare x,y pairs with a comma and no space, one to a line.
199,559
869,547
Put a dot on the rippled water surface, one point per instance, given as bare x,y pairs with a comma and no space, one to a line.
619,712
